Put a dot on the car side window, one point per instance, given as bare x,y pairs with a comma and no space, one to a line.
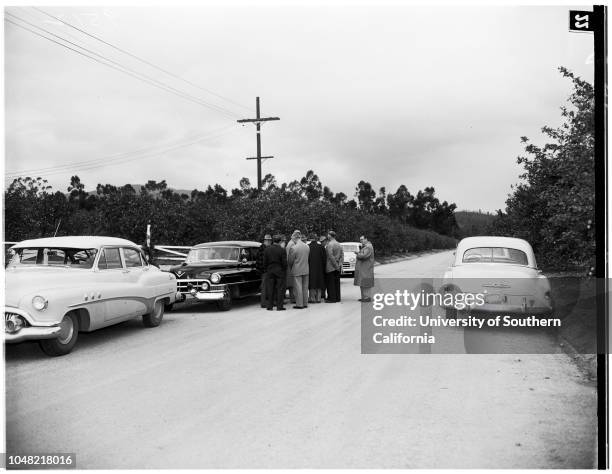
109,259
248,254
132,258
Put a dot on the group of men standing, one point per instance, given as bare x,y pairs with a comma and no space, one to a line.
309,270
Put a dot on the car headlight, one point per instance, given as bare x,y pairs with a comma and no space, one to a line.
352,259
215,278
39,303
13,323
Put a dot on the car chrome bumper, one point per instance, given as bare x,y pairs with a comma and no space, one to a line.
203,296
32,333
495,309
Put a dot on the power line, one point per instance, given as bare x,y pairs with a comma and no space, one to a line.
187,140
117,66
144,61
121,160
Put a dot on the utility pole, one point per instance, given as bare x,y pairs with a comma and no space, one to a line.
257,121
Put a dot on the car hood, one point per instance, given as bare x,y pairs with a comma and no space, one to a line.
20,281
192,269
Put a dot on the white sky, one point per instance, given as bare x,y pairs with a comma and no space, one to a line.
392,95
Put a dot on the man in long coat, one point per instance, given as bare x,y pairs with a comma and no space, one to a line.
297,262
335,257
289,279
316,278
364,269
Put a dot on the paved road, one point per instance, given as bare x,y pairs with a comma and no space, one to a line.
251,389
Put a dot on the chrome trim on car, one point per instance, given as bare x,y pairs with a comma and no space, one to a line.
30,333
27,317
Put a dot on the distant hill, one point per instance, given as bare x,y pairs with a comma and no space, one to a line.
473,222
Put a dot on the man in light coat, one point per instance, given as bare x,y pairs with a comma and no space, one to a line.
364,269
289,279
335,257
297,262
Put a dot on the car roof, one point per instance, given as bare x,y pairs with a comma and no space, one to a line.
230,243
76,241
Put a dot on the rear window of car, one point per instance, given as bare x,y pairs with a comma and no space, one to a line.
50,256
495,255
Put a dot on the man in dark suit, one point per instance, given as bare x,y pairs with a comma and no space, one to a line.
275,264
335,256
317,260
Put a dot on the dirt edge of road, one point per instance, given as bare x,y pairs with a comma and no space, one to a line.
575,303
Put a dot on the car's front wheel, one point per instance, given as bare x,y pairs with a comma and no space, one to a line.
226,303
154,318
66,339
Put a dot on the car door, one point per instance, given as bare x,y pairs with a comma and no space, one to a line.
115,288
137,292
251,275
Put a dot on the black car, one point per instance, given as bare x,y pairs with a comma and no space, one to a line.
219,272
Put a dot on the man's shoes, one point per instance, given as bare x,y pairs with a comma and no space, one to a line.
330,301
281,309
298,307
269,309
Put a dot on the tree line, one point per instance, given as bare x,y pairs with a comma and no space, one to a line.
395,222
553,207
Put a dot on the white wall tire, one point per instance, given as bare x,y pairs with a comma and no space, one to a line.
66,339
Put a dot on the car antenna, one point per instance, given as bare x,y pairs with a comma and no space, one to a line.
57,228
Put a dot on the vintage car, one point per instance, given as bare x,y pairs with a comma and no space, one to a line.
350,251
219,272
58,286
504,272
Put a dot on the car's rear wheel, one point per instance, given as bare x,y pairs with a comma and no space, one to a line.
154,318
226,303
66,339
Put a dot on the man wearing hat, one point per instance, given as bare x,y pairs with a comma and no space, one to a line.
267,241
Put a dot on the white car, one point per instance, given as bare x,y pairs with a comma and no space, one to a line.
350,251
58,286
504,272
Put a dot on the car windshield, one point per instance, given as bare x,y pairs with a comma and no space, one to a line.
495,255
53,257
350,247
203,254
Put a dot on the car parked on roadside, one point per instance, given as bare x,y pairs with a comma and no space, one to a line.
59,286
219,272
350,257
504,272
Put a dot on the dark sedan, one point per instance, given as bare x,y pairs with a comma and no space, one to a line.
219,272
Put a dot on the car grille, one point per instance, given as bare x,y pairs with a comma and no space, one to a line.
186,286
346,265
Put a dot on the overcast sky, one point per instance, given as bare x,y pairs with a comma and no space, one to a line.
389,94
